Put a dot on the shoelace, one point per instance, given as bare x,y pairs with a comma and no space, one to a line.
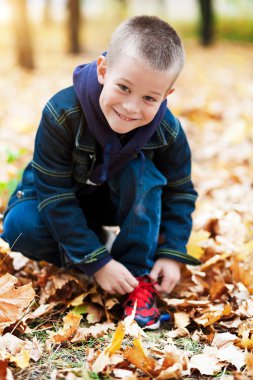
142,291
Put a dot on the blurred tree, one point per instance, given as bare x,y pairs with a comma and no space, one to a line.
206,21
22,34
74,14
47,12
162,7
123,9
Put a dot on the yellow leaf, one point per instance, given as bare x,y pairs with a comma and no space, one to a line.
194,245
246,250
117,339
137,343
21,359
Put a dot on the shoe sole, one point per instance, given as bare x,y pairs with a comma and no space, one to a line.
154,326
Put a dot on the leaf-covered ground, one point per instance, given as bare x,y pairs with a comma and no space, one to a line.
58,325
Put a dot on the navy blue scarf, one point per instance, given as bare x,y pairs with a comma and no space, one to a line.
114,154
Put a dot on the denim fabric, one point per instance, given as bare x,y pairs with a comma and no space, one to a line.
136,209
56,186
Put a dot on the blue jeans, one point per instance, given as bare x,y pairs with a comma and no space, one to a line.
131,200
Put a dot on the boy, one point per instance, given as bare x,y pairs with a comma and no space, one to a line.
109,152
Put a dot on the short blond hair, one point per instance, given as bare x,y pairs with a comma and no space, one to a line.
150,39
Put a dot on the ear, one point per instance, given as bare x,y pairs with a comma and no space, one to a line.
168,92
101,69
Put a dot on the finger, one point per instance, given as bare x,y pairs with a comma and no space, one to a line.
119,290
158,288
110,291
166,284
154,274
132,281
128,288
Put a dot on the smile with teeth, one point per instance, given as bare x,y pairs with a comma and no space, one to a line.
124,117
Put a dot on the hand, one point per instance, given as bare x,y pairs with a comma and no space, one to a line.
169,271
115,278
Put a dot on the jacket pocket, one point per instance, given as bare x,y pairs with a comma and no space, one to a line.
20,195
82,166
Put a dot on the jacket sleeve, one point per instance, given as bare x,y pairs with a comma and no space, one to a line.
58,205
178,199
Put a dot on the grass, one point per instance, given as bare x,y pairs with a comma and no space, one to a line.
61,358
13,163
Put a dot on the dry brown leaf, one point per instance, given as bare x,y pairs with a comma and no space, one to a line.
77,301
13,301
147,364
249,362
182,319
206,363
172,372
4,247
19,351
5,372
18,260
95,331
61,281
222,339
233,355
105,359
246,308
71,323
213,314
41,310
124,374
178,333
215,259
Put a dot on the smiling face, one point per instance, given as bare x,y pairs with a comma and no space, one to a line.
132,93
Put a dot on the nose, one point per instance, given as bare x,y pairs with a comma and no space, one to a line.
131,106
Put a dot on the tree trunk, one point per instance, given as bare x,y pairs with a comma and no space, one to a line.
22,34
74,25
123,9
207,18
47,12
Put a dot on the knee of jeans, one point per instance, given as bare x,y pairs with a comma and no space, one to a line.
23,232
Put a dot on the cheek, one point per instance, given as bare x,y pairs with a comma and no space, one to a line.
151,112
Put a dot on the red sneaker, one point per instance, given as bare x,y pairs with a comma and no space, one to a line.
147,314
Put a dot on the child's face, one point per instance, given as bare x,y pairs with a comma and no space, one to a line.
131,94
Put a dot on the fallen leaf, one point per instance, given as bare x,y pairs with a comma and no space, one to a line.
137,357
82,333
233,355
122,373
94,312
19,351
194,245
182,319
206,364
71,323
117,339
13,301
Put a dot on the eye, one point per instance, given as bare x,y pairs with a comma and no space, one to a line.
123,88
149,99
